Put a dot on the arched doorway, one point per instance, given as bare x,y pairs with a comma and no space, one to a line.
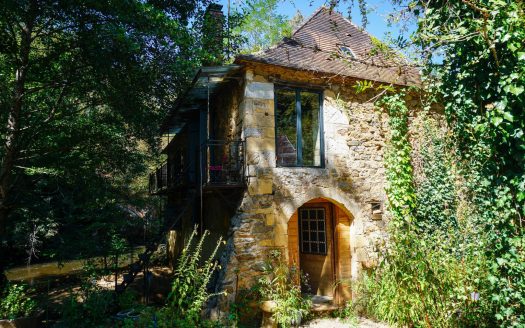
319,245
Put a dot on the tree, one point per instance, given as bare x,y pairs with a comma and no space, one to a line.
479,77
482,82
296,20
83,85
262,27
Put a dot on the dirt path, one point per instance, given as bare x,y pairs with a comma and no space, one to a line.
337,323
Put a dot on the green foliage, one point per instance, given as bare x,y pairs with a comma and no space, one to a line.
434,270
362,86
15,302
242,307
435,183
281,284
90,305
189,290
262,27
127,299
431,279
81,100
347,314
400,185
468,203
151,317
482,83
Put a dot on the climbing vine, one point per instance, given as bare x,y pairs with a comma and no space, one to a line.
400,184
430,272
436,180
474,215
482,83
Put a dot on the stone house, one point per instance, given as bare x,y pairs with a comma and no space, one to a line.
278,150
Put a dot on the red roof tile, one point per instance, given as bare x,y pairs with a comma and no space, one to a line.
315,46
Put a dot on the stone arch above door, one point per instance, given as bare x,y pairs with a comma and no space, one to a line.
288,205
331,270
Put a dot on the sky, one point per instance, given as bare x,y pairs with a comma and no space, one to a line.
378,11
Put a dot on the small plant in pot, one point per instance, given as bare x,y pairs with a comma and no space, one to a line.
280,292
17,309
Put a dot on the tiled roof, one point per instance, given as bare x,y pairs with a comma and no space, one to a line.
315,46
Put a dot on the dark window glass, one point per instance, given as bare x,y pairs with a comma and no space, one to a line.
306,247
321,225
322,248
315,248
286,127
298,127
311,132
313,224
313,234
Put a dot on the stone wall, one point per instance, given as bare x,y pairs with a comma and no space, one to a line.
353,176
224,107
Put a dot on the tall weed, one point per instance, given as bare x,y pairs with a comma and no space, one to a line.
281,284
435,271
437,280
189,291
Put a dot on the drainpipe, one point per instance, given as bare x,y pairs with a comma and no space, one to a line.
206,160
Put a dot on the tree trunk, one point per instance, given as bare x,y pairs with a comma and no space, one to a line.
13,130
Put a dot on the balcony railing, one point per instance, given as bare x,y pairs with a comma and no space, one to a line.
223,163
222,166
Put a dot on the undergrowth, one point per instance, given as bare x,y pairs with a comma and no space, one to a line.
280,284
435,269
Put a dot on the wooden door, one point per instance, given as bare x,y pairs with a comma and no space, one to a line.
316,248
343,256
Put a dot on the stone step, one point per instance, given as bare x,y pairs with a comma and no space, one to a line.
323,303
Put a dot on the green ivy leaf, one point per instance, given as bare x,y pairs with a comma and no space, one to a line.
516,90
508,116
496,120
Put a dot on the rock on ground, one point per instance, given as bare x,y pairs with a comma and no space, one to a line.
338,323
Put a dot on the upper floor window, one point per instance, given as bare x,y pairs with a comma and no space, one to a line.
347,52
299,130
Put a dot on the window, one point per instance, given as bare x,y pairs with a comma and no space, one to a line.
312,225
347,52
299,135
376,207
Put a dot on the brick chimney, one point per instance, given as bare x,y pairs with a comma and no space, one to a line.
213,35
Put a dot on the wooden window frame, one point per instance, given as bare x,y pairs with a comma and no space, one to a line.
309,241
299,130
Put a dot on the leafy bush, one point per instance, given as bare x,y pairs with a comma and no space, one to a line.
90,305
281,284
427,280
242,308
435,271
481,80
15,303
127,299
347,314
189,291
87,308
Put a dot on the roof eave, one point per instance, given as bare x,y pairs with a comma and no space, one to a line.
241,59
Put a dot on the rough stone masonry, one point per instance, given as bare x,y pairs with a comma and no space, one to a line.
353,177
